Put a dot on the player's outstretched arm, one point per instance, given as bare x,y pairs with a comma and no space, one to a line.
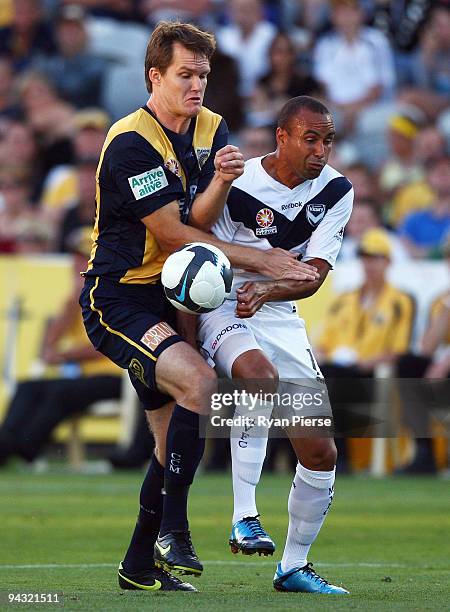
208,206
253,295
171,234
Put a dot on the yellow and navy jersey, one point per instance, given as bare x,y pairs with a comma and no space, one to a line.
144,166
383,327
437,307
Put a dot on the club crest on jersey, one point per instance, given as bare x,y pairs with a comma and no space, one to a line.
173,166
264,218
202,155
315,213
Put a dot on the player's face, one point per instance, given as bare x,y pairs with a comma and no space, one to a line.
182,86
305,147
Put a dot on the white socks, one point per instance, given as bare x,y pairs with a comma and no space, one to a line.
309,499
248,451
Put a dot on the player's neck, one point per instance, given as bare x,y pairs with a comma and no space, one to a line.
280,171
175,123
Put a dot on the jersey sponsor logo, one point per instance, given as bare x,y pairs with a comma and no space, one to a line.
157,334
264,218
227,330
137,369
292,205
202,155
147,183
315,213
173,166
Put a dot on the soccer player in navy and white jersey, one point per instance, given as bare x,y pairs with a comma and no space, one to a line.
292,199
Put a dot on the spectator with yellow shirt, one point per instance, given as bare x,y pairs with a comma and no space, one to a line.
363,329
86,376
431,362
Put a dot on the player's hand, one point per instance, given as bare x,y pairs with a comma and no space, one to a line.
284,265
229,163
250,297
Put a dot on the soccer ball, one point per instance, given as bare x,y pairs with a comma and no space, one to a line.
197,278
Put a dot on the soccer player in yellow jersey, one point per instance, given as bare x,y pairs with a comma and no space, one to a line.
162,180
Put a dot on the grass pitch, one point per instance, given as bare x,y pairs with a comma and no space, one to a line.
385,540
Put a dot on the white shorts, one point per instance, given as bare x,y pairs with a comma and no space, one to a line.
275,329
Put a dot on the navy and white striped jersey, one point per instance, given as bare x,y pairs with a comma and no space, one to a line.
309,219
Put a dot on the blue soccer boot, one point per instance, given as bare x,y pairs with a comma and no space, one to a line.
248,536
304,580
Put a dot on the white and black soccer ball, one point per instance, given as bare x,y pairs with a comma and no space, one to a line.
197,278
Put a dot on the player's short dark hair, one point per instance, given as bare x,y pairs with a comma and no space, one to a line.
295,105
160,46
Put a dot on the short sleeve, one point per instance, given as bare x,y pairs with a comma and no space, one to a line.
207,172
137,171
326,239
225,228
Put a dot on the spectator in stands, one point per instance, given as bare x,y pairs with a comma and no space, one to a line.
282,81
363,180
401,167
256,141
19,149
247,39
82,212
15,207
363,329
429,146
366,216
122,10
433,76
38,406
222,94
50,118
7,106
61,185
425,231
194,11
76,73
354,63
28,34
432,362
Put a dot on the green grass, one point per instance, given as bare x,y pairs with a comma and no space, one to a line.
385,540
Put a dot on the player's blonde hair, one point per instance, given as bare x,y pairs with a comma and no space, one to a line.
160,46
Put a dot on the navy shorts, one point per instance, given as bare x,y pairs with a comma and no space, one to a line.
132,325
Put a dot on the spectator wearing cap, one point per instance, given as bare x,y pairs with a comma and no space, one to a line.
27,35
76,73
401,167
84,375
366,216
372,324
353,62
247,39
363,329
432,361
61,188
424,232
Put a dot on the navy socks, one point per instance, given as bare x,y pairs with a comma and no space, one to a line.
183,455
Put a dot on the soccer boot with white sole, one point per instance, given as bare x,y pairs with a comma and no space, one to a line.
154,579
248,537
304,580
175,551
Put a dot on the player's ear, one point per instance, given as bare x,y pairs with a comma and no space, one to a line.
281,136
155,76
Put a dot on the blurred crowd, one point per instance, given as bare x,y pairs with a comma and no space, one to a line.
69,68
